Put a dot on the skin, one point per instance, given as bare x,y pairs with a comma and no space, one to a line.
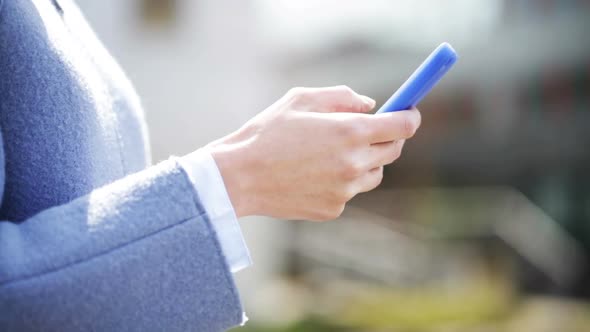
309,153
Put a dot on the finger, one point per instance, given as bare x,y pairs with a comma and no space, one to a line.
339,99
386,127
382,154
370,180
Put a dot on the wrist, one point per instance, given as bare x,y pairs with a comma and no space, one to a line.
237,170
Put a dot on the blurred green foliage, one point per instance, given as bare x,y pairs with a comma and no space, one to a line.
482,307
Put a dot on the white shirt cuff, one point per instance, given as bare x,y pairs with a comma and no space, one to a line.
207,181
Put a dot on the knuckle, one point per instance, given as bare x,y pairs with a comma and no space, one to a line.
395,154
338,210
346,93
298,93
337,197
352,132
349,194
351,170
378,178
379,173
300,96
333,212
295,91
345,90
345,195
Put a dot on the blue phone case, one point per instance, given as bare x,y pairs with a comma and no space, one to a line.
422,80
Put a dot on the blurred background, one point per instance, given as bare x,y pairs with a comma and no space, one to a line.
482,225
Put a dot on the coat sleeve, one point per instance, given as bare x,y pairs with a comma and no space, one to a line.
139,254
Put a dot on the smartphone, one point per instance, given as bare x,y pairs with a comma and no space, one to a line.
422,80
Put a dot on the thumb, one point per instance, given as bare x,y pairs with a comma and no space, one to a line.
339,99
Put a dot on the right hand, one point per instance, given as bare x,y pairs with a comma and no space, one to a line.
309,153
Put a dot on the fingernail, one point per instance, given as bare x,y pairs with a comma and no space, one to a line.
368,101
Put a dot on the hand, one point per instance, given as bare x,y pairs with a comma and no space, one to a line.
309,153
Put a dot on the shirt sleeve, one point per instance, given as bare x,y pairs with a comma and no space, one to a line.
208,183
